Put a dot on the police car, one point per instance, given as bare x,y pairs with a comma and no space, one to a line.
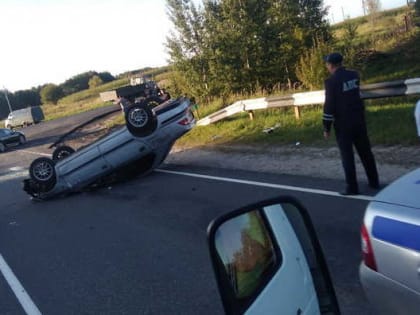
390,271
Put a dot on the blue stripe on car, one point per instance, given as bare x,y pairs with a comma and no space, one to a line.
397,232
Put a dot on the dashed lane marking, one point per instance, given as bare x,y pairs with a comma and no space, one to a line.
36,153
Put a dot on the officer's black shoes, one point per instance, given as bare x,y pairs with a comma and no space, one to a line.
349,192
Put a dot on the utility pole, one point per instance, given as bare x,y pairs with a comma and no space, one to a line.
7,99
342,11
364,7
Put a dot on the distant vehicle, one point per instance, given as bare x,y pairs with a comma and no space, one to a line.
142,90
390,271
139,147
24,117
10,138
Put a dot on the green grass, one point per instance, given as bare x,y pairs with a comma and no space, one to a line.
389,124
52,112
80,102
399,57
94,92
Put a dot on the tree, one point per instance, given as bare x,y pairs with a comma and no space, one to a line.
95,81
106,77
187,46
373,7
26,98
241,46
51,93
311,70
77,83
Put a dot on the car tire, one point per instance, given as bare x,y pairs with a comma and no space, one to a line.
42,172
2,147
22,139
62,152
140,119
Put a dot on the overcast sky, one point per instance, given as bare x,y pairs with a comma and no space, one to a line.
49,41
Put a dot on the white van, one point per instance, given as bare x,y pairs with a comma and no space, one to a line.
24,117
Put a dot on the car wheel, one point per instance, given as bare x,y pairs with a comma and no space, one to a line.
62,152
42,172
140,119
2,147
22,139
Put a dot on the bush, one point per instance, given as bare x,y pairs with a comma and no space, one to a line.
51,93
311,70
95,81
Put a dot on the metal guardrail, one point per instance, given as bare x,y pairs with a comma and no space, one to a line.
370,91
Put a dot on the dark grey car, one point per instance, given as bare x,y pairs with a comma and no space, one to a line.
10,138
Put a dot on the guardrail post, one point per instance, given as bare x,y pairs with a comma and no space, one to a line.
297,112
251,114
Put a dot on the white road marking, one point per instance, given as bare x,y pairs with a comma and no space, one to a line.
16,168
12,175
36,153
269,185
23,297
254,183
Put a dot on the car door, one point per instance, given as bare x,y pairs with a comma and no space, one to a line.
13,137
10,137
3,137
121,148
267,260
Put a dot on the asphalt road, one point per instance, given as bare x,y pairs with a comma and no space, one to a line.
139,247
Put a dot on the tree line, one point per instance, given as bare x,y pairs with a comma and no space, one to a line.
51,93
222,47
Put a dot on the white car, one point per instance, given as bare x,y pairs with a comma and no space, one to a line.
267,260
390,271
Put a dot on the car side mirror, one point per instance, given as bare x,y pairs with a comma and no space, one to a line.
267,260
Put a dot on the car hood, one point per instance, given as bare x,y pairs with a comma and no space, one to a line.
404,191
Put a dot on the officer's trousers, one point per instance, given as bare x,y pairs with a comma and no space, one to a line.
359,138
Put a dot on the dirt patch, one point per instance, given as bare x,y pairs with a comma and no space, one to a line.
297,160
319,162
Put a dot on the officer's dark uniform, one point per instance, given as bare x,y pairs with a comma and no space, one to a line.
344,107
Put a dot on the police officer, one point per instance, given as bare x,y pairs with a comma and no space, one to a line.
345,109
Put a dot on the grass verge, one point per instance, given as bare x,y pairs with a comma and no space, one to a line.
388,124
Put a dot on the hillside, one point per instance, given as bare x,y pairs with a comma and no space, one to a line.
389,51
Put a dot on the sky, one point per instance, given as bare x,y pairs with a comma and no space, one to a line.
50,41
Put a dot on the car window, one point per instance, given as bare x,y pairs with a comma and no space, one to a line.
2,133
246,251
6,132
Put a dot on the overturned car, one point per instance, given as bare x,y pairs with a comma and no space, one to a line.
142,145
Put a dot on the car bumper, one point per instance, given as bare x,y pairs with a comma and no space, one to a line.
386,295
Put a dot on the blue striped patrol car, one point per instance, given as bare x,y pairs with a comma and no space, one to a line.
390,270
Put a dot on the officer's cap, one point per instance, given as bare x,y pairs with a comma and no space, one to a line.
334,58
